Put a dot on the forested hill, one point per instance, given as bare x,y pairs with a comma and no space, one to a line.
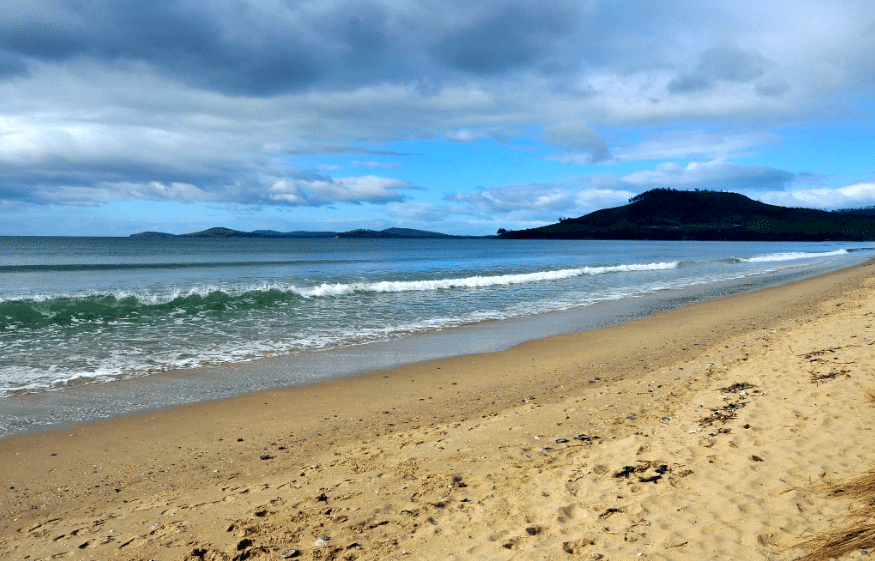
667,214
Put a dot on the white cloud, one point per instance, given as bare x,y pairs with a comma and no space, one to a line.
715,174
540,202
321,192
474,135
377,165
690,144
851,196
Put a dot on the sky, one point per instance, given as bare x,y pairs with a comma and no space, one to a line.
458,116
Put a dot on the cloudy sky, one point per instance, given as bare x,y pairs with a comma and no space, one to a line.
462,116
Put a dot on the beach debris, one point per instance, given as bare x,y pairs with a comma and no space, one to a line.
265,457
757,458
723,414
817,377
290,553
738,388
322,541
583,438
648,472
815,356
666,419
611,511
561,440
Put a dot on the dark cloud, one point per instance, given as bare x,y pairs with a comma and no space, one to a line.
11,65
270,48
722,63
506,35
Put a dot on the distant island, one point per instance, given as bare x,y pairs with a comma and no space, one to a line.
388,233
667,214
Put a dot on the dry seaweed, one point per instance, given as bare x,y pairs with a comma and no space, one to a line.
609,512
817,377
814,356
723,414
737,387
857,531
641,469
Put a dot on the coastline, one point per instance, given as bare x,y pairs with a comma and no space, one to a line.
390,431
69,406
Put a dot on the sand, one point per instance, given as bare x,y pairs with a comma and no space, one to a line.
701,433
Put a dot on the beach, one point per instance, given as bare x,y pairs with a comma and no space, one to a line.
699,433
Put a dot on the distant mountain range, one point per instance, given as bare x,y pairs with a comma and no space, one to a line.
389,233
666,214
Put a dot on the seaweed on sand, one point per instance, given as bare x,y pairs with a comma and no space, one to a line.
857,530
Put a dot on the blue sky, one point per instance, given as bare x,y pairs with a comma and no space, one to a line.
457,116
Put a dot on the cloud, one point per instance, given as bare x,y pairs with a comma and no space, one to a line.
219,101
726,63
321,191
542,202
709,175
377,165
851,196
474,135
499,36
575,137
689,144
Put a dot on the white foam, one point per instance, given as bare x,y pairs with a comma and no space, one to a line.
770,257
478,281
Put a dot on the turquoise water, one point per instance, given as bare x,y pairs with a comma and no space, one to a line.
75,311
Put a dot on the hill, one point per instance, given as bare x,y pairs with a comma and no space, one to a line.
667,214
867,211
394,233
389,233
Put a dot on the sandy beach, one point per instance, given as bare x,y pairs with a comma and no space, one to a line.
702,433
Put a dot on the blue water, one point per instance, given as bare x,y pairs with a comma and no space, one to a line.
75,311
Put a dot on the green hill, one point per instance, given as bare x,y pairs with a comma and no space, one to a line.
667,214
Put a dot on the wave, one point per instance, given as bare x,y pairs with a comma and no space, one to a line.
771,257
478,281
139,307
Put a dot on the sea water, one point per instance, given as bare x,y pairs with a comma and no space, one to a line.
82,311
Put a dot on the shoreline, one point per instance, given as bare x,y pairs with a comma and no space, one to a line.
50,410
138,469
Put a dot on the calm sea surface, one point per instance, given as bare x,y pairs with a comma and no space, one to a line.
75,311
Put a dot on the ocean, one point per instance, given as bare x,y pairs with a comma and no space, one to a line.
203,316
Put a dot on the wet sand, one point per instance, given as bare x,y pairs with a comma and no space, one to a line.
466,457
